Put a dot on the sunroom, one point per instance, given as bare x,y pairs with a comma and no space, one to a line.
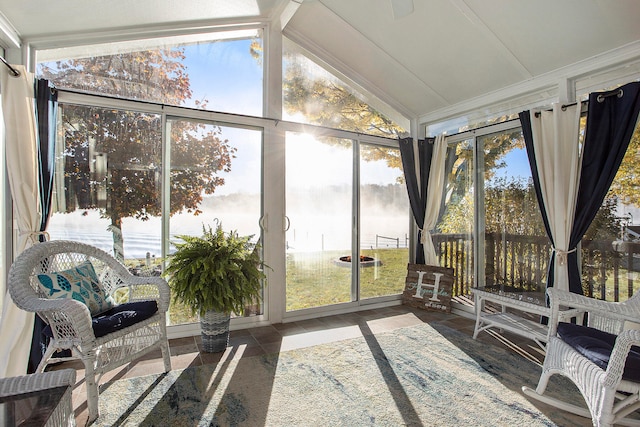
283,120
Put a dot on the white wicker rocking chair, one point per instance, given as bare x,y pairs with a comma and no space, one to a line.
71,324
600,359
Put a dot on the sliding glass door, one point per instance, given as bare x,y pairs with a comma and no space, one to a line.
107,185
491,232
348,214
513,240
319,177
384,222
215,177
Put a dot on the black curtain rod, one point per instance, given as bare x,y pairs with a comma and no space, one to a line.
475,129
564,107
15,72
616,92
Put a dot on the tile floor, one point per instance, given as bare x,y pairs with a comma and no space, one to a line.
287,336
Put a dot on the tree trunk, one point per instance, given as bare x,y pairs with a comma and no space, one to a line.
118,241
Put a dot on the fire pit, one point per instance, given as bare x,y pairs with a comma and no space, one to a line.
365,261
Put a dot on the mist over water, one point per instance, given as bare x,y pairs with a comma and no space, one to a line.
142,237
318,221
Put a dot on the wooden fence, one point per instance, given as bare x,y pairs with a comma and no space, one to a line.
610,269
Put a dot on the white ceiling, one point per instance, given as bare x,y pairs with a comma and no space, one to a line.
442,54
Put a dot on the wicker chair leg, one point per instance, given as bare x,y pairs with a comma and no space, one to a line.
91,385
543,382
166,357
164,346
45,358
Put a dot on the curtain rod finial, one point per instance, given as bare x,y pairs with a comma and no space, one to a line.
15,72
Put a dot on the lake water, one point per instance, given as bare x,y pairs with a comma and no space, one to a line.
306,233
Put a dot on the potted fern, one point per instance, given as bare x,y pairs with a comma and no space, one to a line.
215,274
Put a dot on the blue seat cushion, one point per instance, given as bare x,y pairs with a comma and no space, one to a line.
119,317
597,346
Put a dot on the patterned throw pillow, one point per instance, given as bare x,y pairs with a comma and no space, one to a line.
81,284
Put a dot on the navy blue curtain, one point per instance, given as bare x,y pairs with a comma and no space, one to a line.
46,104
417,193
611,121
46,113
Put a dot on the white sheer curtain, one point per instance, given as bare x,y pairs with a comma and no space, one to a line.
16,326
434,198
557,152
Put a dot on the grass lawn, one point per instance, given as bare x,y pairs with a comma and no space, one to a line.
315,279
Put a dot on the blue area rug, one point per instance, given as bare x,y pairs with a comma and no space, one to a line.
426,375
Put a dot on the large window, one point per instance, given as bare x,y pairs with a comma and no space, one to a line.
384,222
163,137
216,72
107,186
516,247
215,178
491,231
111,163
346,201
319,194
492,218
110,191
313,95
348,228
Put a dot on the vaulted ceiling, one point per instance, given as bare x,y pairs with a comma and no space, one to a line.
425,58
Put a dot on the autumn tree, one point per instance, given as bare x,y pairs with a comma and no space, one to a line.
511,207
113,157
326,101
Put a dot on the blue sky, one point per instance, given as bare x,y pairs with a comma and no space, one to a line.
231,79
226,75
517,165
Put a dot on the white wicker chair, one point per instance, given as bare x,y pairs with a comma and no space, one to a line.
609,396
70,320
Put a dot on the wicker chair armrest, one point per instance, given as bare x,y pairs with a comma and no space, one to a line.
42,305
162,292
628,311
36,382
615,368
68,318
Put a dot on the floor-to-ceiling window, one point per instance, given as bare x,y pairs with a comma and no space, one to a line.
491,230
319,209
129,176
346,201
108,186
348,221
453,237
384,222
215,178
511,247
514,243
161,137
